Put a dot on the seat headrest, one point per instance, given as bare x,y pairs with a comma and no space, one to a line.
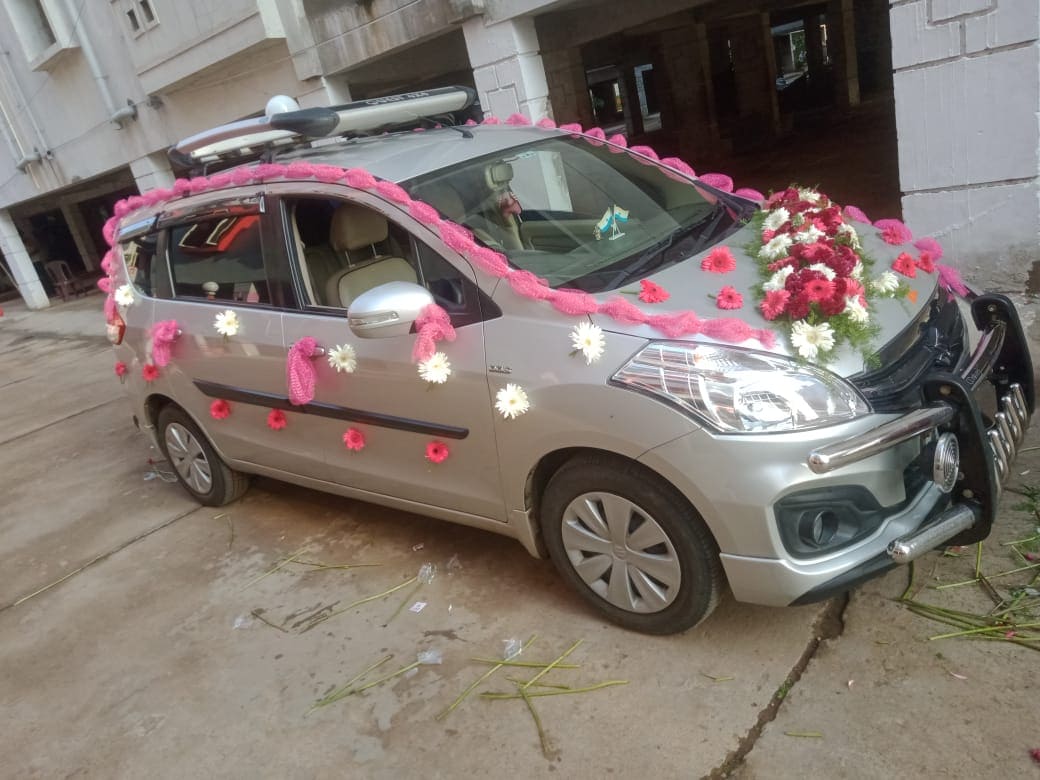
444,198
499,175
354,227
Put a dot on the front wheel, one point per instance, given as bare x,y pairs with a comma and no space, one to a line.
199,469
631,545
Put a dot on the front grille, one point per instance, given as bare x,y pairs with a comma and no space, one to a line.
933,341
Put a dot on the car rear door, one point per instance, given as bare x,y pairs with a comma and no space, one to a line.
223,276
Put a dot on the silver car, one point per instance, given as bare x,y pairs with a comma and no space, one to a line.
322,319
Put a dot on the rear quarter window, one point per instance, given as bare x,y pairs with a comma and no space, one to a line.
219,258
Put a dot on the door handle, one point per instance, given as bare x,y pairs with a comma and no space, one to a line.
318,352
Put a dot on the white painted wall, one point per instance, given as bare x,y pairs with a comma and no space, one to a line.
968,118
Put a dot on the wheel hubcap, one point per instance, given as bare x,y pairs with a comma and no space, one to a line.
621,552
188,458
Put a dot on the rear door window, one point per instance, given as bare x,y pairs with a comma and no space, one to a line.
219,258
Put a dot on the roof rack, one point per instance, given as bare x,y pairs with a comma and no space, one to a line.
284,123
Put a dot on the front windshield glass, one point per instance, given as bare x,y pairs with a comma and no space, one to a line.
582,216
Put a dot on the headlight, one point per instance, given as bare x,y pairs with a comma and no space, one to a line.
737,391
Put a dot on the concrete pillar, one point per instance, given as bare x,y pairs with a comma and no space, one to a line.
967,100
841,39
507,67
568,88
151,171
754,66
21,266
687,95
81,235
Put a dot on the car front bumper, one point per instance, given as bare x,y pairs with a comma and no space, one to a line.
985,405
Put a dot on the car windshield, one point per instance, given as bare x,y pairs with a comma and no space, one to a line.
580,215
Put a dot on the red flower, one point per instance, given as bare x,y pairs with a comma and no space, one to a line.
768,235
783,262
354,440
729,298
833,306
798,307
719,261
219,409
121,369
437,452
819,289
276,420
653,293
926,263
149,372
905,265
773,304
1035,753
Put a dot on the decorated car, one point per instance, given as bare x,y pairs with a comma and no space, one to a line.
662,384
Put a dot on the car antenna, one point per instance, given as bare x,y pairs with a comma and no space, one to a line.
433,124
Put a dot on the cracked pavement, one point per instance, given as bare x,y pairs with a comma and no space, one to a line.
138,652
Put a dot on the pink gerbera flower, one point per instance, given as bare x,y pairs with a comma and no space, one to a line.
774,303
121,369
436,452
819,289
926,263
729,298
149,372
905,265
893,231
354,440
652,293
219,409
719,261
276,420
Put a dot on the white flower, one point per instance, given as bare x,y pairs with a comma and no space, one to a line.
435,369
778,280
888,282
588,338
511,401
811,340
850,233
343,358
856,310
227,323
776,218
776,248
810,235
824,269
124,295
857,271
809,195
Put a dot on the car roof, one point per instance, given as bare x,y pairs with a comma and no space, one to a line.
401,156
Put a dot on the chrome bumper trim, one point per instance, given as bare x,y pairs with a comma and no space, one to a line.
834,456
950,523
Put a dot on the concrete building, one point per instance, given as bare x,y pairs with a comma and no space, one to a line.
931,107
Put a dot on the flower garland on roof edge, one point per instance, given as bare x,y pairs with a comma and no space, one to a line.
524,283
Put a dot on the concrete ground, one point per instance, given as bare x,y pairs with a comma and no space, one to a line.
130,646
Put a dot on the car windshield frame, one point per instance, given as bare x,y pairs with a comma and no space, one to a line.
588,216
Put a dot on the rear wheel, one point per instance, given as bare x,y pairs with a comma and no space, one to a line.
198,467
631,545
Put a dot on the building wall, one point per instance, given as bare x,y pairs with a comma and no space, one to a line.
967,87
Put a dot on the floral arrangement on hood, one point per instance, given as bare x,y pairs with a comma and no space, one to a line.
816,276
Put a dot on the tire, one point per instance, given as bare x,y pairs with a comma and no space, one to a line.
198,467
664,576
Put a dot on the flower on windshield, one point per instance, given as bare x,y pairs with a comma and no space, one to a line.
720,260
652,292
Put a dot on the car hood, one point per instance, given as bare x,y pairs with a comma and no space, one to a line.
694,289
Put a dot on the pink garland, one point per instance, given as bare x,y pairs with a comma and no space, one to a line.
163,335
300,373
432,325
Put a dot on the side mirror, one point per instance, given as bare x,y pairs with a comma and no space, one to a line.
387,310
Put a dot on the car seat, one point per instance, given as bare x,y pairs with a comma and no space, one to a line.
443,197
355,228
311,228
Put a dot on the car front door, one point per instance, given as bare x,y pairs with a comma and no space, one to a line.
389,432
